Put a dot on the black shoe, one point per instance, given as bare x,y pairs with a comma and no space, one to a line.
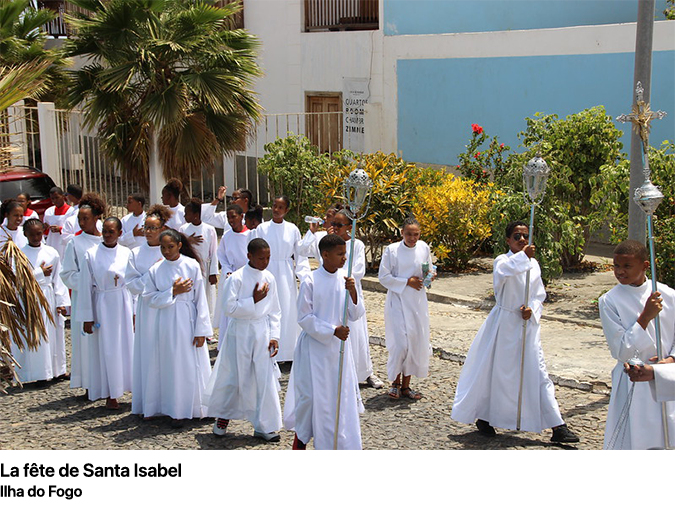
563,434
485,428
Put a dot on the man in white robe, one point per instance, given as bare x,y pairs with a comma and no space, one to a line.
627,313
311,400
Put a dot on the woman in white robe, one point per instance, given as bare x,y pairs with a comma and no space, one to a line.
105,307
89,213
175,287
54,218
49,360
285,264
406,311
620,308
311,399
245,379
145,365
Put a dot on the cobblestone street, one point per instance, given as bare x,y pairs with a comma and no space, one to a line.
56,417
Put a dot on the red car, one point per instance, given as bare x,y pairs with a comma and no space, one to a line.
20,179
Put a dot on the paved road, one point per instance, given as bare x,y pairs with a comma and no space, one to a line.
56,417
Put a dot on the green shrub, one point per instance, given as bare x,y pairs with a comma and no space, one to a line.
482,164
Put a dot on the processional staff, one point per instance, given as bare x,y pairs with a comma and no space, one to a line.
648,197
357,188
535,175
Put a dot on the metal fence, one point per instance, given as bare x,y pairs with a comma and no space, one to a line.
80,159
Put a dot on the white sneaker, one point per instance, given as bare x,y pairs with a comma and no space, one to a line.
374,381
220,427
269,437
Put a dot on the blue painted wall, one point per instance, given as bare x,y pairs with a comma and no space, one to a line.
438,100
459,16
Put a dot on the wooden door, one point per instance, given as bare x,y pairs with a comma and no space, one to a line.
324,121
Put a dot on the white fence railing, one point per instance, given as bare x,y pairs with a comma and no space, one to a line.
57,142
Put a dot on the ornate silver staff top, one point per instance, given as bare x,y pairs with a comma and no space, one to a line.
647,196
535,175
357,188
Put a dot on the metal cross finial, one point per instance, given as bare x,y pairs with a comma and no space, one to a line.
641,116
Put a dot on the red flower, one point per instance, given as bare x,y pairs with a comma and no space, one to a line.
476,155
501,146
477,129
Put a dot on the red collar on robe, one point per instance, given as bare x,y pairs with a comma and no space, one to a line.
59,211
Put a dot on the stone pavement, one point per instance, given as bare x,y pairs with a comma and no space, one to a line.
56,417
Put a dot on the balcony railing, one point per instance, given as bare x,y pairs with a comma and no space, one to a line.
341,15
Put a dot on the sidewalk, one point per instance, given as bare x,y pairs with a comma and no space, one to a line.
574,346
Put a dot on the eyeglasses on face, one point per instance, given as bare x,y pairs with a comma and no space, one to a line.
151,228
338,225
518,236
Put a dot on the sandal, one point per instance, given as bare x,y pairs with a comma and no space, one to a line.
394,391
411,394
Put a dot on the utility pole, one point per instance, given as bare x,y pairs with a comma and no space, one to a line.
643,74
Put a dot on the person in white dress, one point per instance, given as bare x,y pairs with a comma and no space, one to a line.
232,255
105,308
133,234
12,211
171,198
49,360
144,385
24,200
286,264
206,248
311,399
175,287
406,314
627,312
241,197
88,215
488,387
245,379
309,245
54,219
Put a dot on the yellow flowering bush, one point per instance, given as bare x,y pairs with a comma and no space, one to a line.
454,217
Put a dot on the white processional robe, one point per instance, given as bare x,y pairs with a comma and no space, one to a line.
184,369
311,399
286,263
244,383
208,257
28,214
177,217
71,226
17,236
54,216
406,311
145,361
49,360
358,330
210,216
489,383
129,223
232,254
663,386
104,299
620,308
73,262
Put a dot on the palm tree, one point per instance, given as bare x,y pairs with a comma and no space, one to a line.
170,73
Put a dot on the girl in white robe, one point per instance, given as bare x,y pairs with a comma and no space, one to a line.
12,212
629,330
54,219
133,234
488,387
105,307
406,312
49,360
175,287
232,255
145,365
171,198
245,379
285,264
311,399
88,215
206,249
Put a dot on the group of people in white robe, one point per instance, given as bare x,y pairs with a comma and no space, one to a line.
142,303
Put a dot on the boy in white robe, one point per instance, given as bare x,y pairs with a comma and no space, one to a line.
311,400
54,219
244,383
406,314
489,384
133,234
171,198
627,313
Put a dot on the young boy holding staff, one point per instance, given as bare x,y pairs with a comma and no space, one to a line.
627,313
311,400
245,379
489,384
